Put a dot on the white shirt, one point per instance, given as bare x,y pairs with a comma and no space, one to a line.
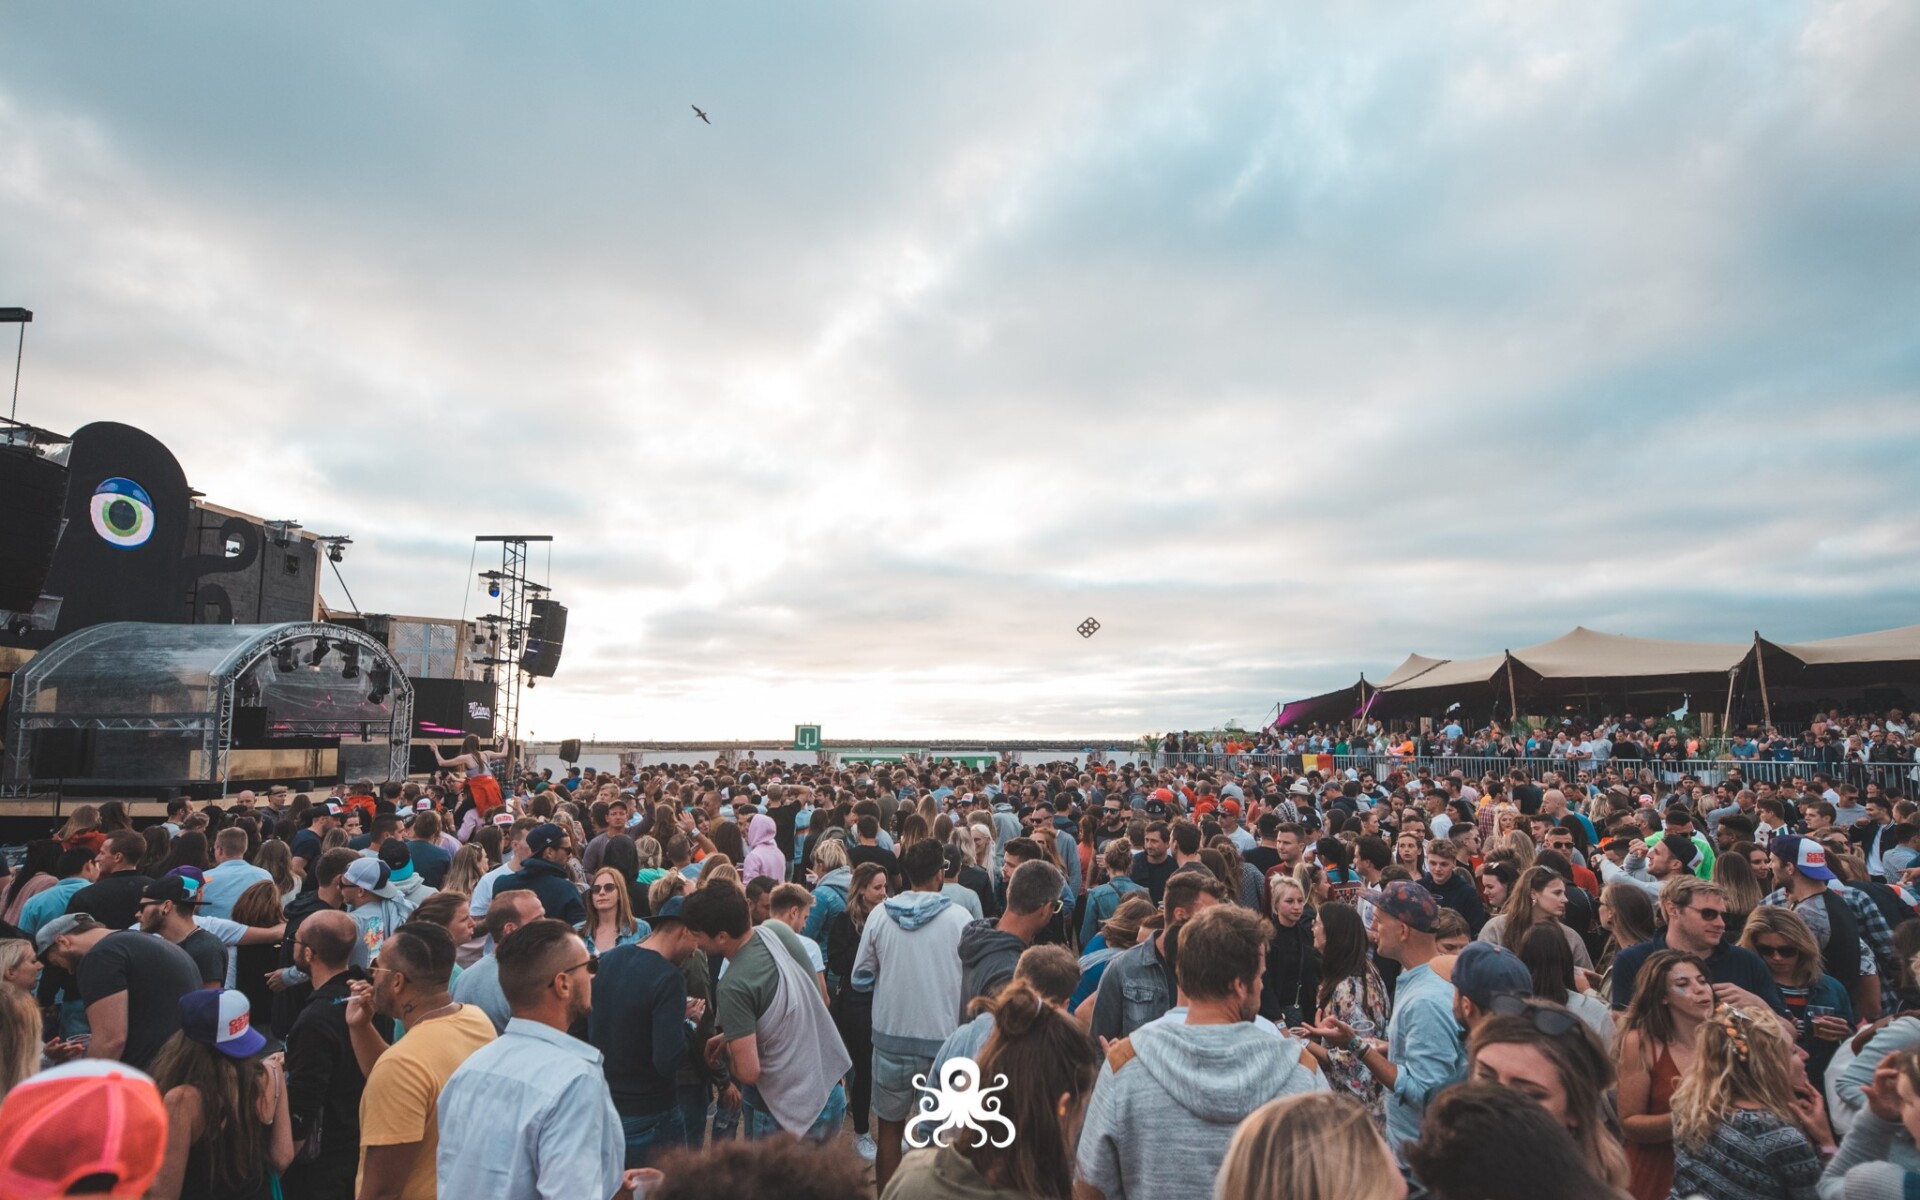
483,889
528,1117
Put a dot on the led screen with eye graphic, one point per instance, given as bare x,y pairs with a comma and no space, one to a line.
122,513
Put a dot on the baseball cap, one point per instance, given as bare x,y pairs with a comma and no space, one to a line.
372,875
1484,970
425,805
503,818
221,1019
398,858
1685,852
1163,795
1300,787
1230,805
89,1119
180,889
1406,901
670,911
1808,856
55,929
543,838
1155,808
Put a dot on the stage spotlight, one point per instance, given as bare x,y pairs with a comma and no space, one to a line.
350,661
286,658
493,590
321,649
381,678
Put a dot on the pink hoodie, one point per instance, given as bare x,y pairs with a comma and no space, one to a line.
763,854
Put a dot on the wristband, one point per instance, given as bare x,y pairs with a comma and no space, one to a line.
1357,1047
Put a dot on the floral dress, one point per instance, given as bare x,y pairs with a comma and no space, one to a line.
1359,998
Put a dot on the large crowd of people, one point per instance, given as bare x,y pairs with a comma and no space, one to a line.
1859,746
925,981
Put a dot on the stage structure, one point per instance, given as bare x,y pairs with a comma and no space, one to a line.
135,708
511,629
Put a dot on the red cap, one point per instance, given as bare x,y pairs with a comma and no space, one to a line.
92,1117
1230,805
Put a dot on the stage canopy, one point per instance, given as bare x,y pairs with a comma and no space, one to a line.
166,705
1584,662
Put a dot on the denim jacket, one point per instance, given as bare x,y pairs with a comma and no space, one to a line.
1134,990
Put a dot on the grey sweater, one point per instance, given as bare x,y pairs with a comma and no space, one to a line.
1860,1171
1170,1097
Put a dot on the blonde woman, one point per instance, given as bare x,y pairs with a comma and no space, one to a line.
1319,1146
716,870
19,1037
610,921
469,864
1519,846
1739,1128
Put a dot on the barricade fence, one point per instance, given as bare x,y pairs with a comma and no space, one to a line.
1901,777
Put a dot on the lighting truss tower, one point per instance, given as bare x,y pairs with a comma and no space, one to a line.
511,587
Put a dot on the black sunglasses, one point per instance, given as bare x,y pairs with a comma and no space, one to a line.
1548,1019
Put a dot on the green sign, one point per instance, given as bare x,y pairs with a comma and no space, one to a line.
806,737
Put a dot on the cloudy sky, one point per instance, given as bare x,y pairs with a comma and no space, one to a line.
1283,339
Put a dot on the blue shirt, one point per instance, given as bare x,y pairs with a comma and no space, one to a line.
1423,1041
225,883
49,904
528,1117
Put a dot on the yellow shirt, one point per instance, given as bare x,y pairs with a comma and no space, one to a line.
398,1105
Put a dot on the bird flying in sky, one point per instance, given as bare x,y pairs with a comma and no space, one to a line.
701,115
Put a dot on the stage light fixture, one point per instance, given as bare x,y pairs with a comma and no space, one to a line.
321,649
286,658
350,661
381,679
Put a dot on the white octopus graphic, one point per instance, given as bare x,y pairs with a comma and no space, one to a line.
958,1101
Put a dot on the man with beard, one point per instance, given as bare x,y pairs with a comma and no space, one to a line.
399,1120
530,1115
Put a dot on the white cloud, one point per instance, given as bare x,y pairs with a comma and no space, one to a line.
1283,341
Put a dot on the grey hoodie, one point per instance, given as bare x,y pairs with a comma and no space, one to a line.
987,959
908,958
1164,1118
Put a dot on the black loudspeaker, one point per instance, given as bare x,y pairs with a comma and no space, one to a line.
249,723
62,754
33,495
570,750
546,632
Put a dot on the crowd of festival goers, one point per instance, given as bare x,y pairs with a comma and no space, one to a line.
1860,745
935,982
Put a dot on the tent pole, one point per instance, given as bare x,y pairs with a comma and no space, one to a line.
1733,673
1513,702
1760,661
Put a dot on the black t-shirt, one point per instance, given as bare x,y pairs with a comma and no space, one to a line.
154,973
1153,876
1265,858
209,953
783,835
857,855
113,900
1527,797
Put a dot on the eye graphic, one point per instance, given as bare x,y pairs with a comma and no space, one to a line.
122,513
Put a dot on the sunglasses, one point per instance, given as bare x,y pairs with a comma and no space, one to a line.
1710,914
1548,1020
605,888
592,966
1767,951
